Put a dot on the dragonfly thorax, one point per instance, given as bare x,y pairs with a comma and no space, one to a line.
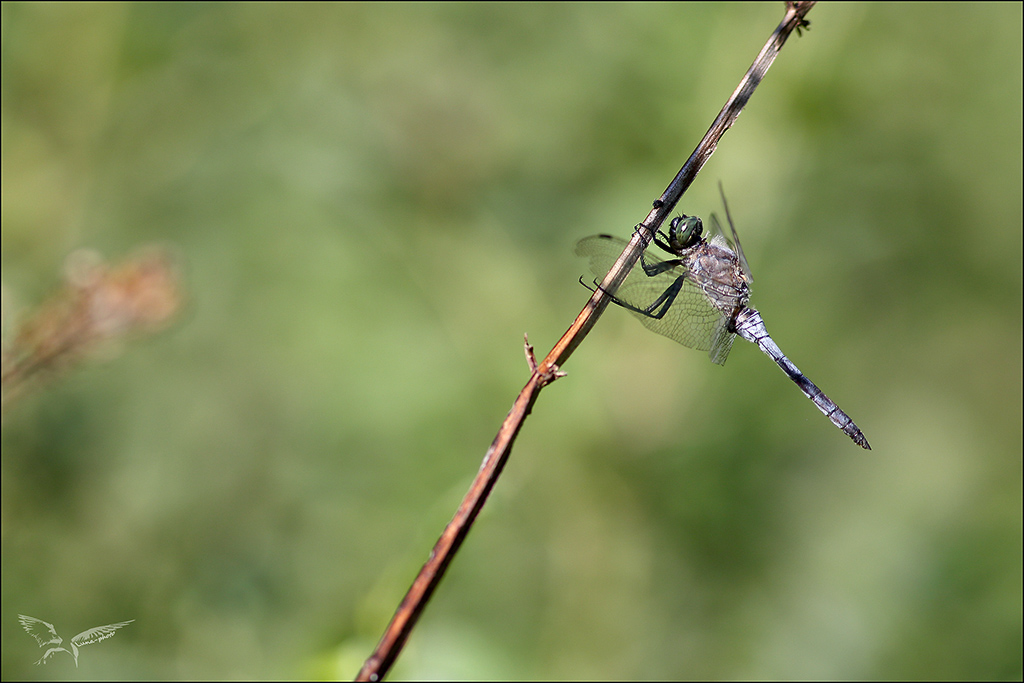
684,232
717,271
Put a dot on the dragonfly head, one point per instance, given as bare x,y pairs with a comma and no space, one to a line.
684,232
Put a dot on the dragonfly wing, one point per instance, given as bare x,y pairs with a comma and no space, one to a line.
601,251
667,302
721,341
733,242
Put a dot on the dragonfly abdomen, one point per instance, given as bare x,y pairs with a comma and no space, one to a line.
750,326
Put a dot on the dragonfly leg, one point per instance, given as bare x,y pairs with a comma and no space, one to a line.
661,239
652,269
638,230
656,310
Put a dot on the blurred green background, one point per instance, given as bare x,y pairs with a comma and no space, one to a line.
375,202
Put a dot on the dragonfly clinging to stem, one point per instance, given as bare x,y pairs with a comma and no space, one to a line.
698,297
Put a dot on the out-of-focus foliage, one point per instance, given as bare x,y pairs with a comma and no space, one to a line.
100,307
374,202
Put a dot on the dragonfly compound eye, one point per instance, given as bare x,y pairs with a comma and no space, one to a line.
685,231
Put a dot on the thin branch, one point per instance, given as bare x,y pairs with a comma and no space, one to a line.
408,612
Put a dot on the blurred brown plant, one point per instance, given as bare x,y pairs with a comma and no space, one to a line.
99,306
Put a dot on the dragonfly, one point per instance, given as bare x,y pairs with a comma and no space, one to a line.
698,296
